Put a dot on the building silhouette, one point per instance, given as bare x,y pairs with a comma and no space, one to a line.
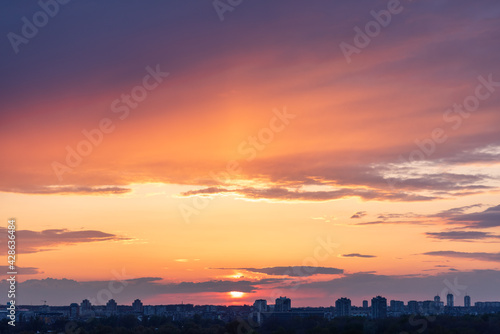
111,306
137,306
260,305
283,304
449,300
74,310
85,307
467,301
343,307
365,304
379,307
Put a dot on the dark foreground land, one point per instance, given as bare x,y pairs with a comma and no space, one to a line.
469,324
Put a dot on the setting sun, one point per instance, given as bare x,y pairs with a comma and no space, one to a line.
236,294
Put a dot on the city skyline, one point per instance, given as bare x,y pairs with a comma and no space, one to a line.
190,152
284,304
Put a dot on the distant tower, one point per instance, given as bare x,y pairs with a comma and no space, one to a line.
379,307
437,301
343,307
111,306
283,304
467,301
85,307
449,300
365,304
74,310
137,306
260,305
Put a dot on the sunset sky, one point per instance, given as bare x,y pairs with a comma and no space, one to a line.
202,155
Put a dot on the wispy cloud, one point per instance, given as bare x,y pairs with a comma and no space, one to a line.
486,219
68,190
480,256
462,235
283,194
358,255
456,211
65,291
359,214
22,270
453,216
293,271
46,240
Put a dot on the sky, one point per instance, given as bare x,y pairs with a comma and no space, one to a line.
208,153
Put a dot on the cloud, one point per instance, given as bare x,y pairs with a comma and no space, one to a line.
293,271
284,194
358,255
412,222
456,211
408,215
68,190
22,270
480,284
66,291
443,182
486,219
462,235
46,240
480,256
354,143
458,215
359,214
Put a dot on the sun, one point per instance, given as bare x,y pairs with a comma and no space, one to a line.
236,294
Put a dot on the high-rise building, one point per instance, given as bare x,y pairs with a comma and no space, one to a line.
438,304
365,304
343,307
283,304
85,307
111,306
137,306
467,301
260,305
379,307
74,310
449,300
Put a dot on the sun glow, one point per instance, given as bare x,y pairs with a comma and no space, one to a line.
236,294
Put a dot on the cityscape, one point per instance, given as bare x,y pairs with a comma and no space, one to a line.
377,308
250,167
